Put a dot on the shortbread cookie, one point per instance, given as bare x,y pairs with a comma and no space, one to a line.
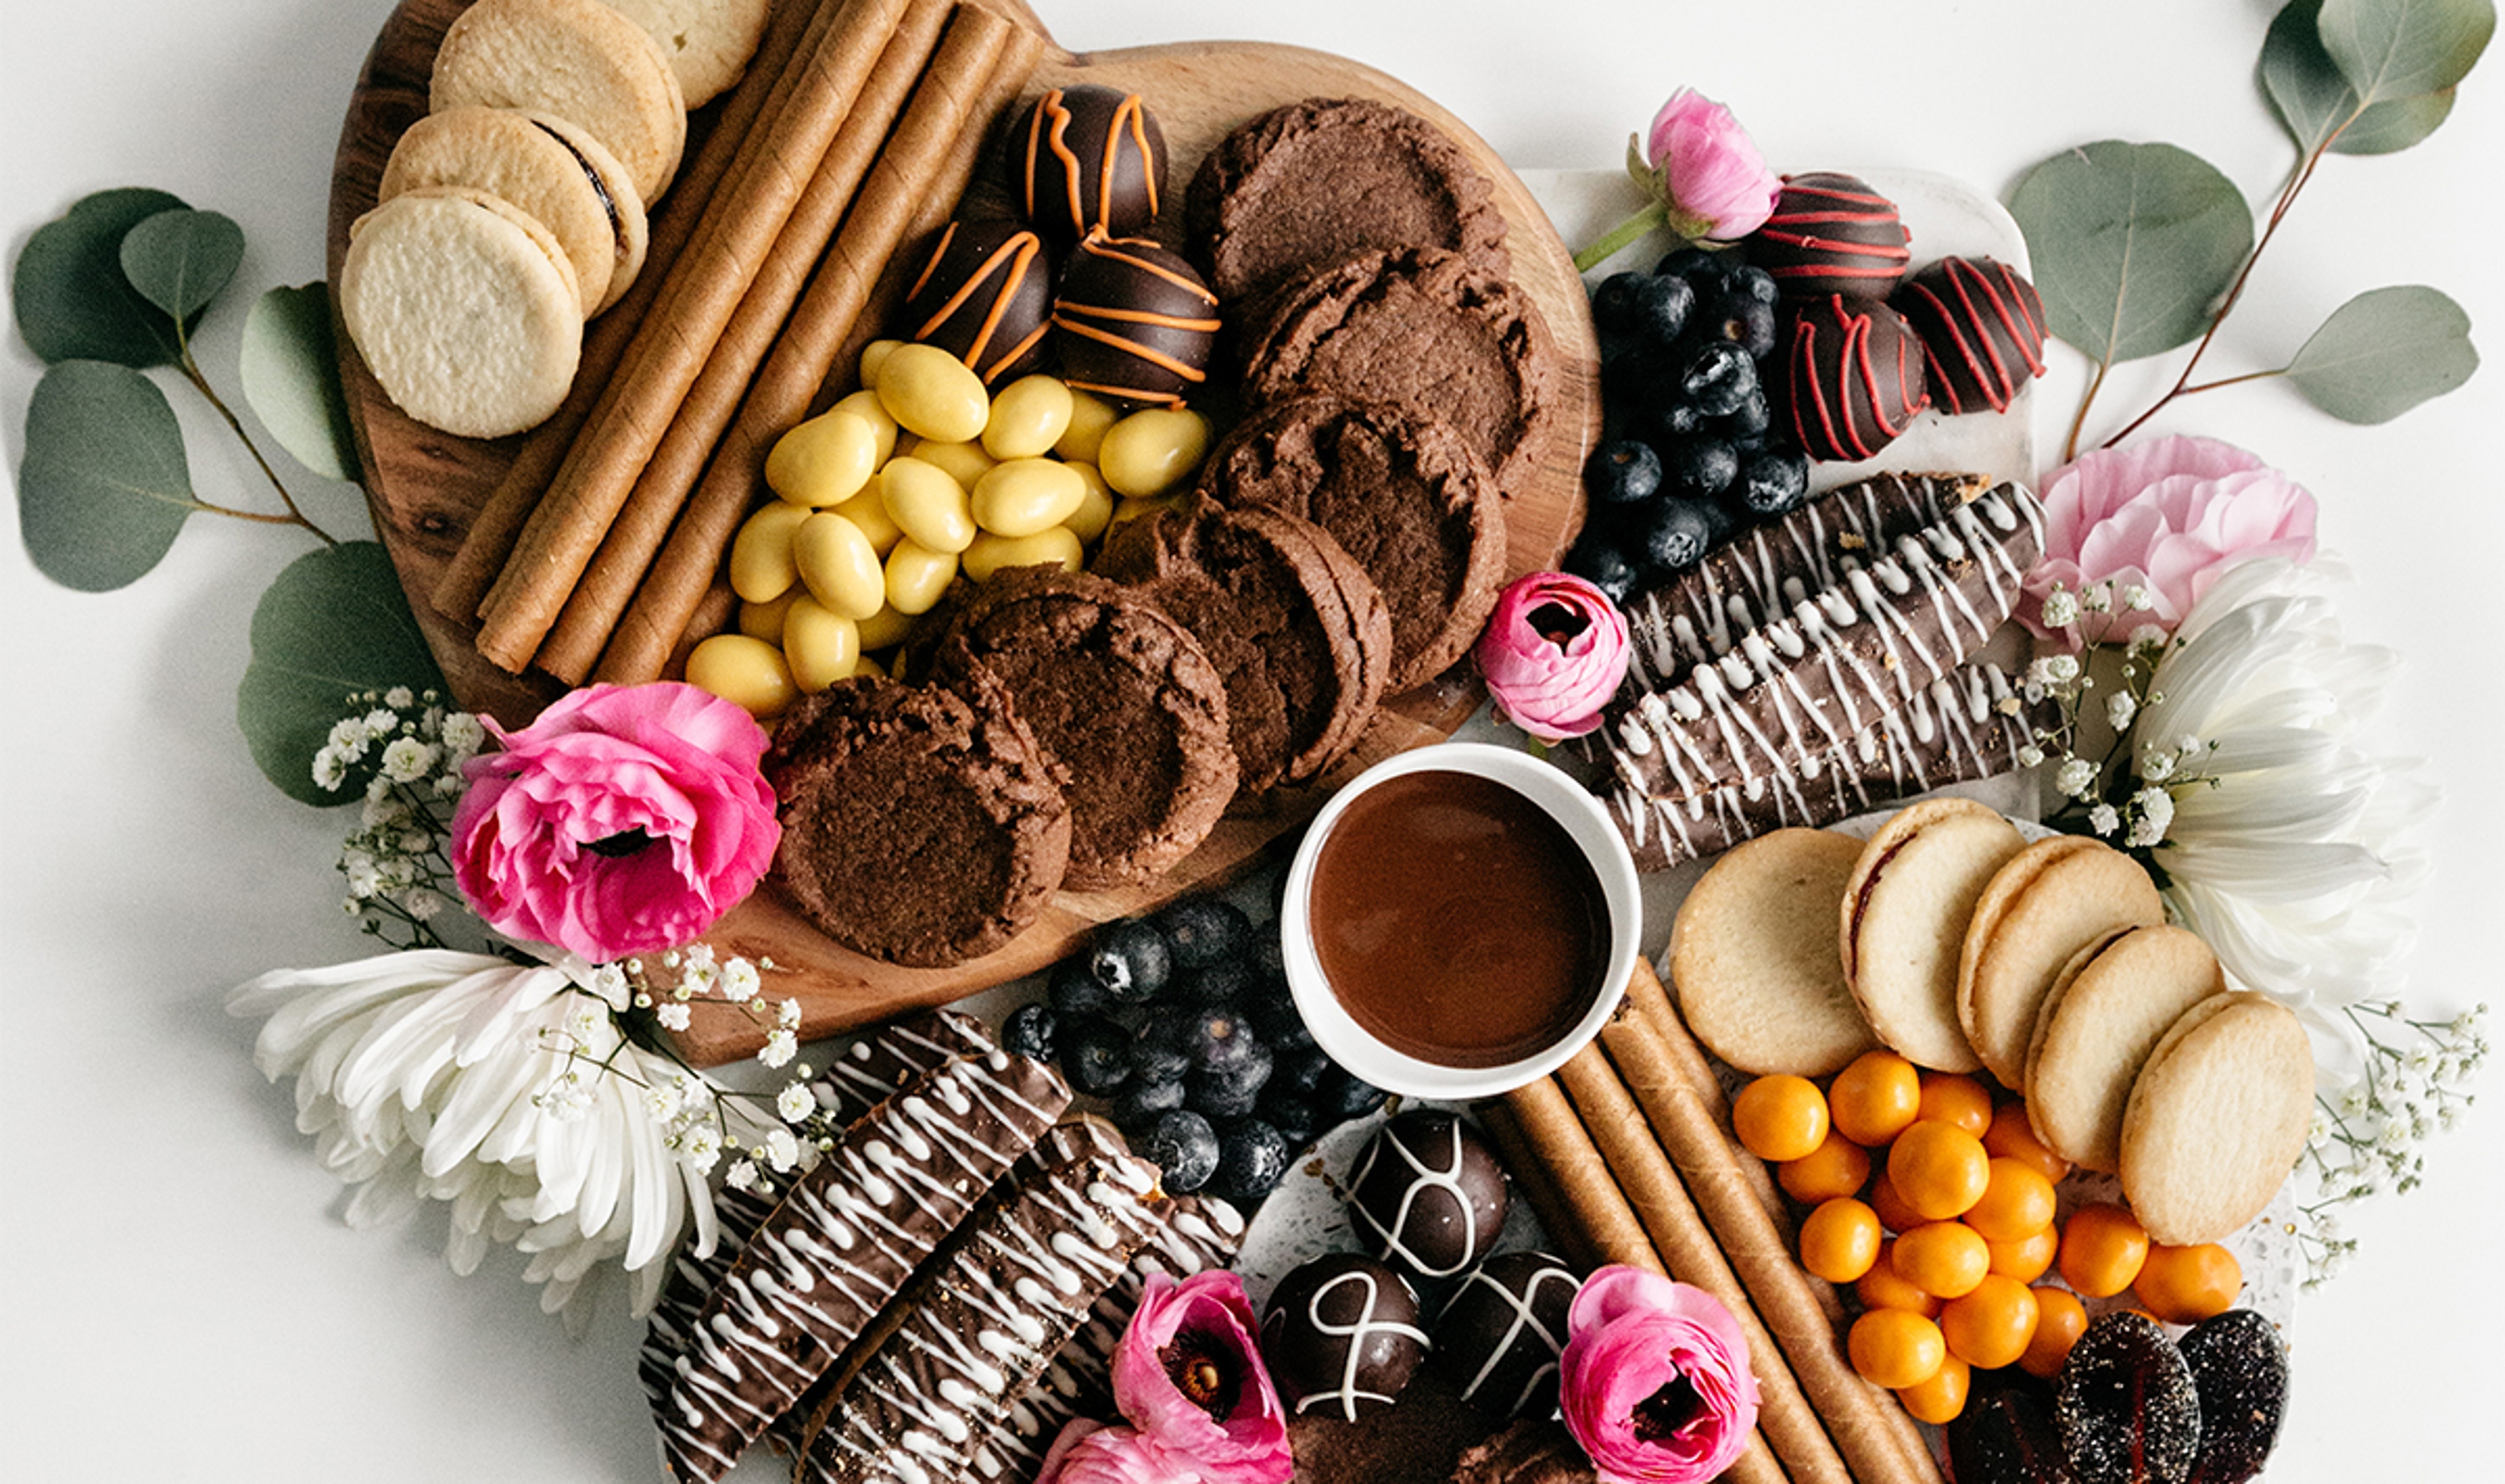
2218,1118
563,178
708,42
2051,900
578,59
1903,918
2103,1015
465,308
1757,974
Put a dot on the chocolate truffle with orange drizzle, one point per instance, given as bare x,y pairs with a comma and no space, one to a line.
1094,160
1134,321
985,297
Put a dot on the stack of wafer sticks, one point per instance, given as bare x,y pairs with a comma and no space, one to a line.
1626,1154
858,129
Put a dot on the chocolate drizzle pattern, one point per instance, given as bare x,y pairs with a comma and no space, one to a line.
1533,1292
985,297
1982,328
1342,1336
1094,160
1854,377
1446,1194
1831,233
1135,321
844,1239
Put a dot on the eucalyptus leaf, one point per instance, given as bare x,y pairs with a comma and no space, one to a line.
290,376
2385,352
2133,245
333,624
2400,49
104,487
68,291
179,259
2315,102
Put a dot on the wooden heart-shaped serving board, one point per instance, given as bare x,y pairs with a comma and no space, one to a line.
426,487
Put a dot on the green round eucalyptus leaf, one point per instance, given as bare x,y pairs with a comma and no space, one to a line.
290,376
2400,49
2133,245
104,487
71,299
179,259
333,624
2385,352
2315,102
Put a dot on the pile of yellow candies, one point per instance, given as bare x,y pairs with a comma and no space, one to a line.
924,474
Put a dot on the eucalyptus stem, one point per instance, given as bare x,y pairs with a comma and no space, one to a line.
294,514
2079,420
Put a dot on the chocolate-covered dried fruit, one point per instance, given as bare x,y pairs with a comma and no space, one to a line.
2005,1436
2126,1406
985,297
1093,159
2240,1367
1342,1336
1831,233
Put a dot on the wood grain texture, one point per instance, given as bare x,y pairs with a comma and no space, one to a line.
425,487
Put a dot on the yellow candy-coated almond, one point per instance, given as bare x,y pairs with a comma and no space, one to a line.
926,504
873,356
916,577
1029,415
933,394
1089,416
1095,512
1024,496
821,645
1152,450
764,620
1128,510
865,405
837,562
761,565
869,668
965,463
747,672
885,628
868,510
823,461
991,553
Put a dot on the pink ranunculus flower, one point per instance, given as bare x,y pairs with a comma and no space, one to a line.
1092,1453
1656,1381
2160,521
1552,654
1189,1375
624,819
1706,169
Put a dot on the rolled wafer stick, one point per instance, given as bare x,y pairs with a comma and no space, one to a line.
1784,1417
981,64
1529,1175
696,302
492,531
1595,1206
1857,1414
592,613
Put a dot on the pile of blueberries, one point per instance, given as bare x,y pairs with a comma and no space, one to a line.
1182,1023
1690,452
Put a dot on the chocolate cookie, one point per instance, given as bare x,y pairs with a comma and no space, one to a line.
1405,495
1426,329
1315,182
1119,694
920,825
1290,621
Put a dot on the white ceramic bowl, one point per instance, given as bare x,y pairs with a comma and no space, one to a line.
1563,800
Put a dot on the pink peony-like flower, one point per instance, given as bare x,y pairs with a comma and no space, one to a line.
2160,521
1092,1453
1552,654
1655,1379
1706,169
624,819
1189,1375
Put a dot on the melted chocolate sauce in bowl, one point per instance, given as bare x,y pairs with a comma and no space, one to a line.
1459,921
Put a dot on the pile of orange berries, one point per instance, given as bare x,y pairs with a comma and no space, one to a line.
1968,1191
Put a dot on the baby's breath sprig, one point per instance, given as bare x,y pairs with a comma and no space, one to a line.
408,748
2115,785
2366,1140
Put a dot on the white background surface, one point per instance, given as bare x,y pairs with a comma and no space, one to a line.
183,1303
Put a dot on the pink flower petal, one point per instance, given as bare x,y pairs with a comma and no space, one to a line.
1554,652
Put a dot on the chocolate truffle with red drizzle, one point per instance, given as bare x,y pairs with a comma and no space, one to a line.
1094,160
1134,321
985,297
1831,233
1852,376
1982,328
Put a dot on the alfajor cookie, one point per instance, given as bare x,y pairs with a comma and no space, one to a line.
563,177
1903,917
1758,975
2053,898
2217,1118
708,42
465,308
2106,1012
578,59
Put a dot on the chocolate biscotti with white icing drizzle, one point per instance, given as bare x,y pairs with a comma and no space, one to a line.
846,1237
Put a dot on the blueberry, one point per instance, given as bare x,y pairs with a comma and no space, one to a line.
1202,930
1232,1092
1075,990
1750,418
1614,304
1031,1030
1774,482
1290,1114
1277,1020
1702,467
1720,522
1661,309
1131,959
1622,473
1221,1038
1600,563
1701,267
1270,959
1717,378
1679,536
1751,282
1667,424
1163,1051
1096,1056
1220,983
1341,1095
1251,1160
1139,1105
1182,1146
1297,1071
1743,320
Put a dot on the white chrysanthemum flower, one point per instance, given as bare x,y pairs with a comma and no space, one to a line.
426,1076
2292,864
